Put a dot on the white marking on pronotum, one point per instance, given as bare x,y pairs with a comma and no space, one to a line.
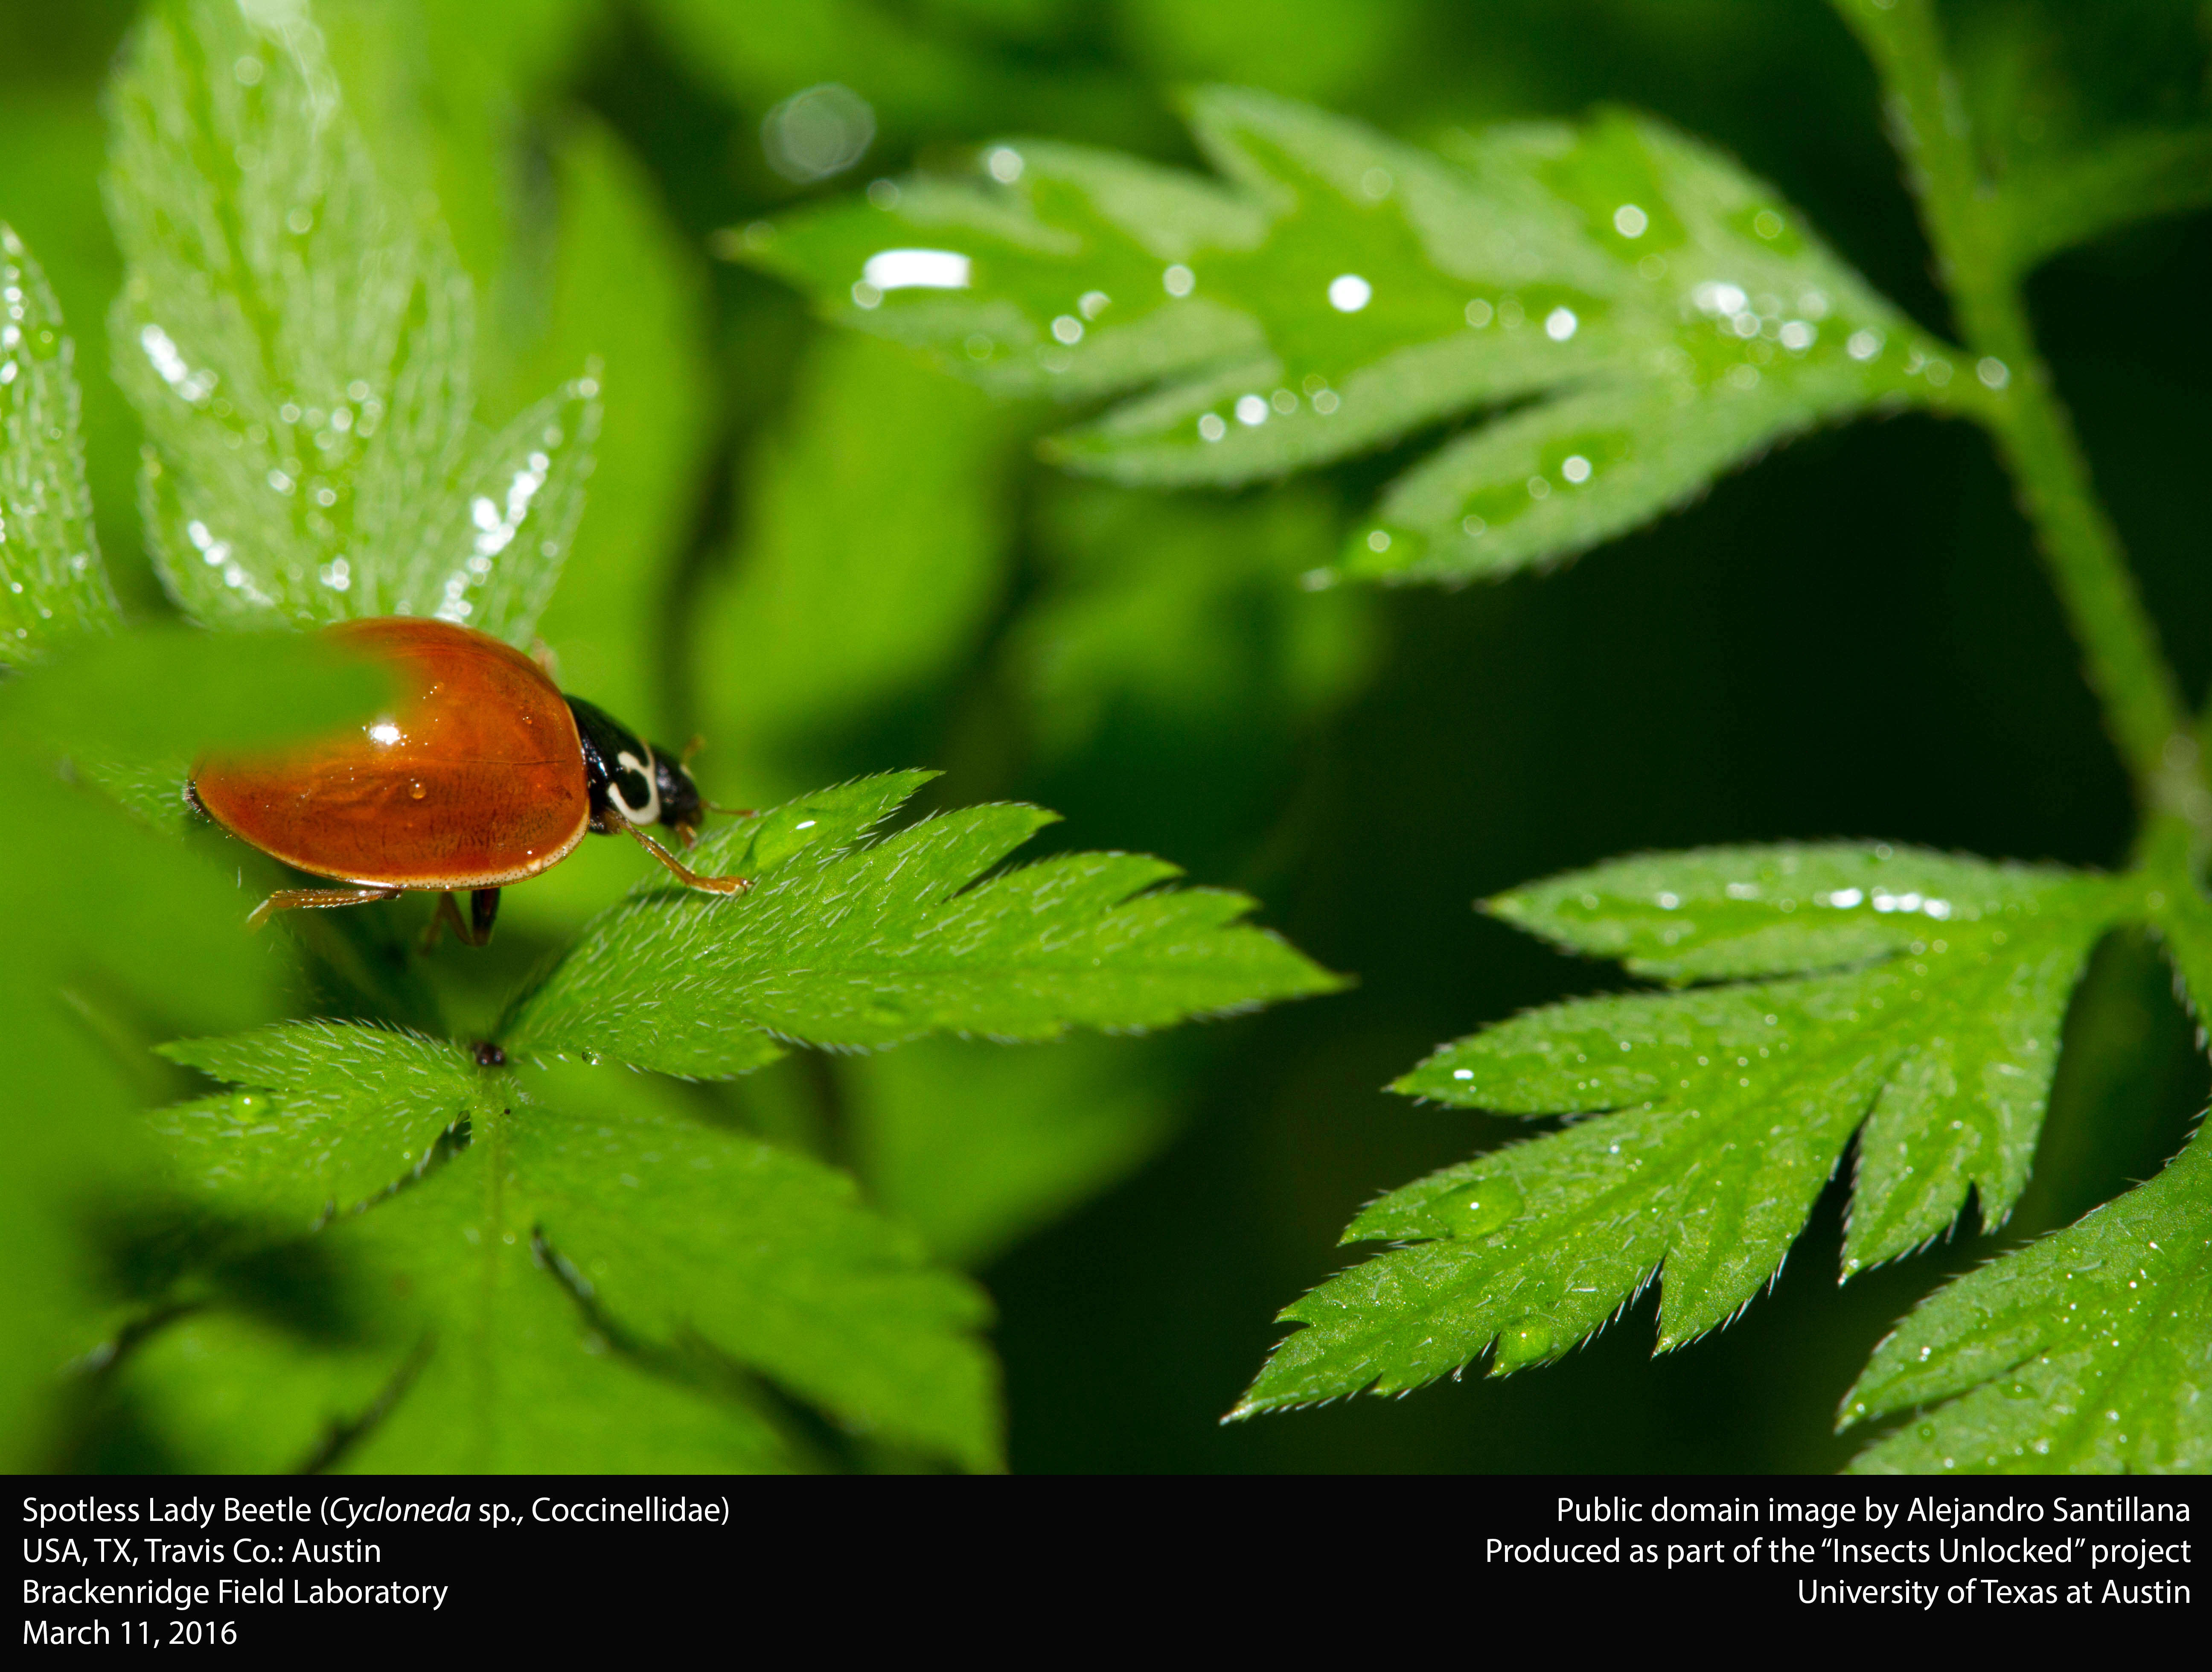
650,813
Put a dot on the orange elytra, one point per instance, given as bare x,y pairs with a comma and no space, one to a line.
480,773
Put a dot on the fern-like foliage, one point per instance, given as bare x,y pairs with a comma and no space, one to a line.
103,913
632,1251
2087,1351
356,1241
52,583
1664,316
850,945
297,338
1910,998
363,1243
1624,315
593,1215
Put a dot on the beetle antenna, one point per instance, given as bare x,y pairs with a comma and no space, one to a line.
735,813
697,743
691,877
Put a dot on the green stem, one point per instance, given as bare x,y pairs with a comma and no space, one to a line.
2143,704
2169,859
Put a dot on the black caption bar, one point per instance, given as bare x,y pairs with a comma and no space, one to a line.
546,1564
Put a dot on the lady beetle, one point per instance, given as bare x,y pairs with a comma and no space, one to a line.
481,773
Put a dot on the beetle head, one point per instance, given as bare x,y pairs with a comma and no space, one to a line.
631,781
681,808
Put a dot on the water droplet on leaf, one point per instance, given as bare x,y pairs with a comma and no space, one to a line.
1477,1209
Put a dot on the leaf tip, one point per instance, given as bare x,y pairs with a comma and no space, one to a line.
1513,908
1851,1412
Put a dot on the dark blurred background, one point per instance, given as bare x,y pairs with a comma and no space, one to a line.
1854,638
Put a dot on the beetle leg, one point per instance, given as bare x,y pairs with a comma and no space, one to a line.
299,899
484,907
691,877
443,913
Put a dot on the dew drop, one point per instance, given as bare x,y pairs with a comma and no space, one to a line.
1348,293
1527,1342
1476,1210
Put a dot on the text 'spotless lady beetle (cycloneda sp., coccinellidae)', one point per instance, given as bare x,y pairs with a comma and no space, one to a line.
481,774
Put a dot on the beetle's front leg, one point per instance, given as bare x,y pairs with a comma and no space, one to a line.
689,877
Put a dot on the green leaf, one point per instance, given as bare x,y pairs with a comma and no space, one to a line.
2085,1353
52,583
591,1243
1567,474
111,708
2187,933
332,1115
396,1366
1345,290
297,340
166,693
843,944
519,1378
766,1255
1732,912
53,148
1922,1009
102,914
226,1389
